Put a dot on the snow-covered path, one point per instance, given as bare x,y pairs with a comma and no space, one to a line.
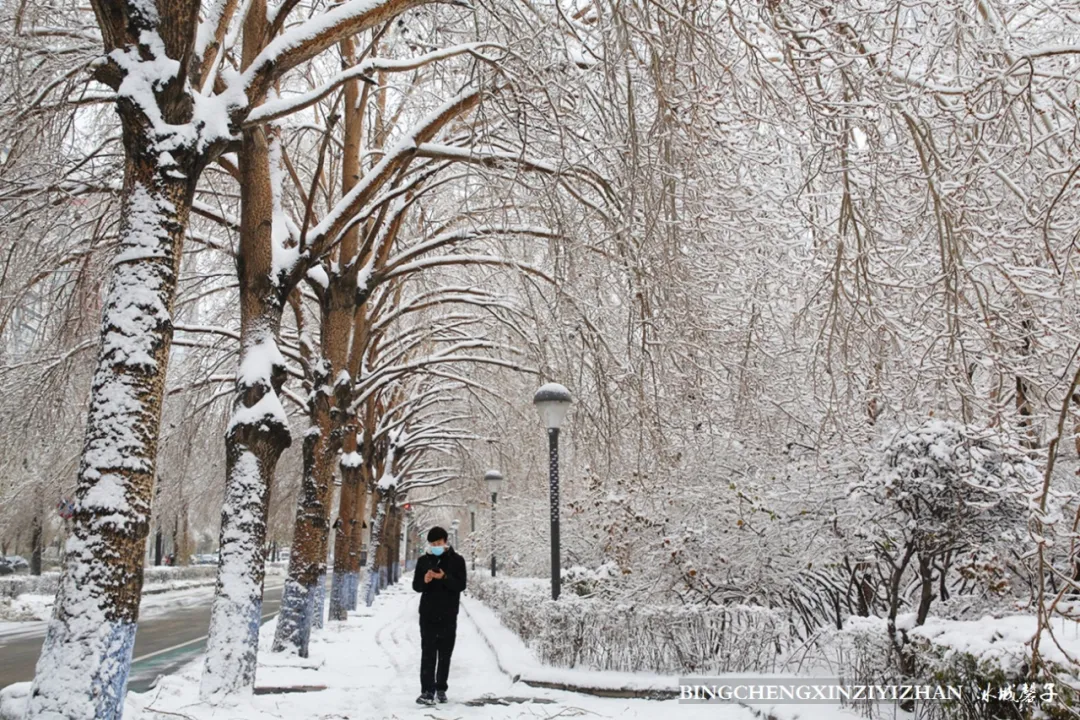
370,667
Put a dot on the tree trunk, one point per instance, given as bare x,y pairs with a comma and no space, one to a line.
307,563
377,524
388,556
175,551
345,528
252,451
258,432
384,548
83,669
305,588
318,598
926,594
37,541
380,555
356,542
393,548
185,539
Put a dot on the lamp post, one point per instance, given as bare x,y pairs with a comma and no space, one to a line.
553,401
494,479
410,525
472,533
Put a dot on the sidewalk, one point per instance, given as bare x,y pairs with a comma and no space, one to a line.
369,666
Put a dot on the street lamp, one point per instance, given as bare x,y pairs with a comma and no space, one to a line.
553,402
472,533
494,480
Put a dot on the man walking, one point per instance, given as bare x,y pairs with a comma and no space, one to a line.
440,577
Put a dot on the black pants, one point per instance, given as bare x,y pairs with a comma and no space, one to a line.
436,646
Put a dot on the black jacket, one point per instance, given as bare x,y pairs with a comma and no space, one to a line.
439,602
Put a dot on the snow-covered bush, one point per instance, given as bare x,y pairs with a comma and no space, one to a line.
607,635
945,485
935,503
586,582
989,654
994,653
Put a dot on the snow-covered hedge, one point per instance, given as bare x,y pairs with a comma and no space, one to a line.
606,635
990,653
996,652
601,634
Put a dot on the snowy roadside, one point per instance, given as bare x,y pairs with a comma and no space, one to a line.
367,666
29,612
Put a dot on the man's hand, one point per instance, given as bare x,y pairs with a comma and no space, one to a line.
428,576
437,575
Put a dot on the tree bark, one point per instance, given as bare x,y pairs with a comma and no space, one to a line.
393,547
37,541
258,432
345,529
305,588
356,540
82,672
307,563
926,590
378,524
184,552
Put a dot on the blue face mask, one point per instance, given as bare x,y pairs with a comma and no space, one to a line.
437,550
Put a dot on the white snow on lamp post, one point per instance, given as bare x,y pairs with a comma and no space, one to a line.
553,402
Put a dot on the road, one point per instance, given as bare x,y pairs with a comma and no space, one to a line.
167,638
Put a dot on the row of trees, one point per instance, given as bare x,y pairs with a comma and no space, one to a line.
779,234
310,166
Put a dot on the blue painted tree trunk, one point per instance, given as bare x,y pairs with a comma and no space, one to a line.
85,659
294,618
318,606
373,571
339,596
354,590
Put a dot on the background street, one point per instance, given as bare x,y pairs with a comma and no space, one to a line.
166,639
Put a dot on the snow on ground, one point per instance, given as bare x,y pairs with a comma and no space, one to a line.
369,665
19,615
26,611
